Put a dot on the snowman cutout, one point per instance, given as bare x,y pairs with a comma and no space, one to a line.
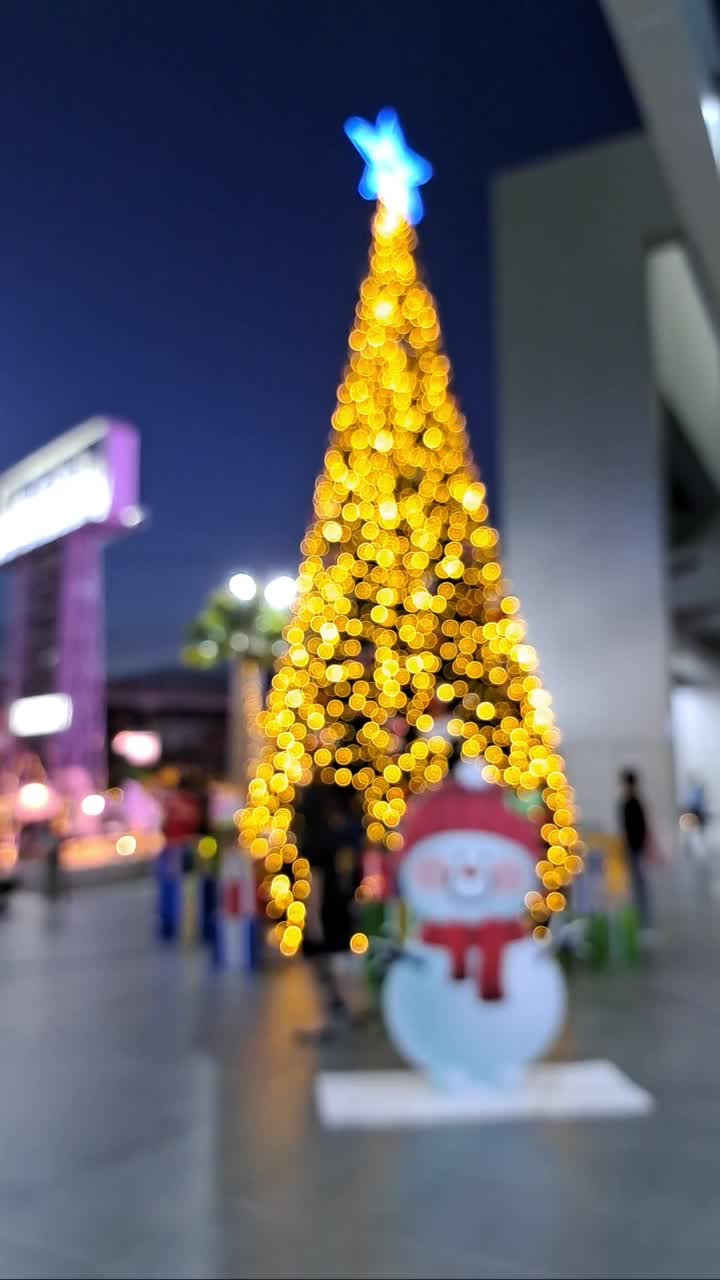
473,998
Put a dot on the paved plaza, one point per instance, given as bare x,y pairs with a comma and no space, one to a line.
158,1120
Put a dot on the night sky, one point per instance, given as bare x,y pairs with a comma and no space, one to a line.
182,240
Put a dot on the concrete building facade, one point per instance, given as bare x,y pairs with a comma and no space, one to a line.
581,458
607,282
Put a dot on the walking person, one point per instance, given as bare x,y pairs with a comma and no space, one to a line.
634,831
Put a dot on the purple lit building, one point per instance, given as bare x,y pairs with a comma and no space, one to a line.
59,507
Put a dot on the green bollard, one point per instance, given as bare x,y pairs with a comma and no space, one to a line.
372,921
598,937
629,936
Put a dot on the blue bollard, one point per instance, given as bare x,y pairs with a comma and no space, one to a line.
168,870
253,941
208,894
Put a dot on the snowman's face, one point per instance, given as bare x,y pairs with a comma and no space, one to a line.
466,876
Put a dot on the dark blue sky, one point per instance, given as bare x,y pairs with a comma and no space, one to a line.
182,240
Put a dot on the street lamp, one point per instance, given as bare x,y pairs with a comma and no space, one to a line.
243,587
243,621
280,592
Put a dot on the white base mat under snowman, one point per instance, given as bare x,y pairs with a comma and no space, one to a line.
548,1091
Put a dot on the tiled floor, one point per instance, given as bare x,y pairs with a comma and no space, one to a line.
156,1120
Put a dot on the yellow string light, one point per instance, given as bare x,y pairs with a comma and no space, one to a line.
401,602
252,707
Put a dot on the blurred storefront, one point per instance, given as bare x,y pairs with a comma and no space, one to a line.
187,709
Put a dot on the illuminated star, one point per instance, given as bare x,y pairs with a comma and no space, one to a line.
393,172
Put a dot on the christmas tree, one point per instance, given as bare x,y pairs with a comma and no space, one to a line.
404,636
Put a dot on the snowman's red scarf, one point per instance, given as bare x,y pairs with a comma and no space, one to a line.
489,938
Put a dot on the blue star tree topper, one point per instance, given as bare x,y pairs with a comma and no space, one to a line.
392,172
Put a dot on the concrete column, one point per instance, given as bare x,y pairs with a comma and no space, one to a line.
579,443
245,741
81,655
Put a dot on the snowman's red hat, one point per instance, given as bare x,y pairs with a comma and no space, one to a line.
456,808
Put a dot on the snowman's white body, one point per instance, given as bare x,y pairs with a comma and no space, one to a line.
441,1023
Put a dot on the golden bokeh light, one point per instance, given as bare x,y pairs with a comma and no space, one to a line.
403,620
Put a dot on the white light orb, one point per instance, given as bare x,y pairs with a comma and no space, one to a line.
141,748
92,806
131,517
34,797
243,587
280,592
126,846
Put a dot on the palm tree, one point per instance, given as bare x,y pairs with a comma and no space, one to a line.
248,635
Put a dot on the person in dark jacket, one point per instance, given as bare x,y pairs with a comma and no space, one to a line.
634,830
330,836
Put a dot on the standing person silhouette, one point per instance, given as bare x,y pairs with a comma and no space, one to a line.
330,836
634,830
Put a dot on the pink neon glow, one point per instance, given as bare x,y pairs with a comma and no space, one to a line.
141,748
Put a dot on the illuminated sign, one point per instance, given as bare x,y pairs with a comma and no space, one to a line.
35,717
86,476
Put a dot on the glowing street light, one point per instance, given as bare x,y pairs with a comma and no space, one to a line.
140,747
34,797
92,805
280,592
36,802
243,587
